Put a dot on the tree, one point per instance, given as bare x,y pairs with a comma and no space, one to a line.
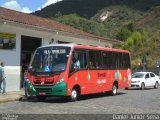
124,32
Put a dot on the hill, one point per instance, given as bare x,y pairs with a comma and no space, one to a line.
79,13
136,22
88,8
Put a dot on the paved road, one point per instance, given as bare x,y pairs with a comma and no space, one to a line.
127,101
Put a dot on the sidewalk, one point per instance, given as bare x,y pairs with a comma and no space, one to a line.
11,96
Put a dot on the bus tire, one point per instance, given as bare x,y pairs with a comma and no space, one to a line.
126,88
41,98
74,95
114,89
26,94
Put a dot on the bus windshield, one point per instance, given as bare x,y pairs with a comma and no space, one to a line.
50,59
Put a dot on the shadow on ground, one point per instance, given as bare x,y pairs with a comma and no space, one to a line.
65,99
149,88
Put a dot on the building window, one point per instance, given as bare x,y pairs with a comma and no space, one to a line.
7,40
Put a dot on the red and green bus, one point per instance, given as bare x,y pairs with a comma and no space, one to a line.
72,70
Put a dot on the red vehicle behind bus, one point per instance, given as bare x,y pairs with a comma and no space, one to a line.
73,70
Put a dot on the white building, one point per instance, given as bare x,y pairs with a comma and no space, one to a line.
21,34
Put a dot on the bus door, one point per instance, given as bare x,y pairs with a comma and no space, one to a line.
79,74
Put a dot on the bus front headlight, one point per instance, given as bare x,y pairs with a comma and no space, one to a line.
60,80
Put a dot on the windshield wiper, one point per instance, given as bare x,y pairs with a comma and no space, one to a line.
56,72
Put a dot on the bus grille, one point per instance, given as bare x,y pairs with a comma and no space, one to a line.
45,83
46,90
38,81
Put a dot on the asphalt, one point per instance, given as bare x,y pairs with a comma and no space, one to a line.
11,96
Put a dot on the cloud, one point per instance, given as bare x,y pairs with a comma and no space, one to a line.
49,2
26,10
15,6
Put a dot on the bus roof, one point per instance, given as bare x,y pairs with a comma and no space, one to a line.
65,45
85,47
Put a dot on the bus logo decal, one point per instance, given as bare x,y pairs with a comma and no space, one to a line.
118,75
89,77
47,69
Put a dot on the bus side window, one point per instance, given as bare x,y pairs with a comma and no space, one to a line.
90,64
95,61
75,62
79,60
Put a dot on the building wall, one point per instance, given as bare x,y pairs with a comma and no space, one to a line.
12,58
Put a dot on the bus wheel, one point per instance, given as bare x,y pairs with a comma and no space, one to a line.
41,98
26,94
74,95
114,90
126,88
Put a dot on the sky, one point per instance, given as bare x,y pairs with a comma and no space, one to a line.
26,6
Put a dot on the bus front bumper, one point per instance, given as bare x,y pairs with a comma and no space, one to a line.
55,90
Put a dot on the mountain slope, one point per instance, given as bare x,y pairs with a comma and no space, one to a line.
79,13
136,22
88,8
150,21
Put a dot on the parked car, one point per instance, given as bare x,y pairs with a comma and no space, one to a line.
145,79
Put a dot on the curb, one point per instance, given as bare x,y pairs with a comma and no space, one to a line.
21,98
10,99
14,96
11,96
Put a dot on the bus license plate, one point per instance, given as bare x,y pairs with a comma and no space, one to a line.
42,93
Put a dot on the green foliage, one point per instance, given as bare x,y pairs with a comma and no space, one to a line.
123,33
135,40
82,24
139,43
123,12
120,20
135,44
135,22
88,8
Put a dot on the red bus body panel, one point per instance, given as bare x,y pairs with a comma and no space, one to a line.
100,80
90,81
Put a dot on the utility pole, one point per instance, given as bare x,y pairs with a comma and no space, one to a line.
144,62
